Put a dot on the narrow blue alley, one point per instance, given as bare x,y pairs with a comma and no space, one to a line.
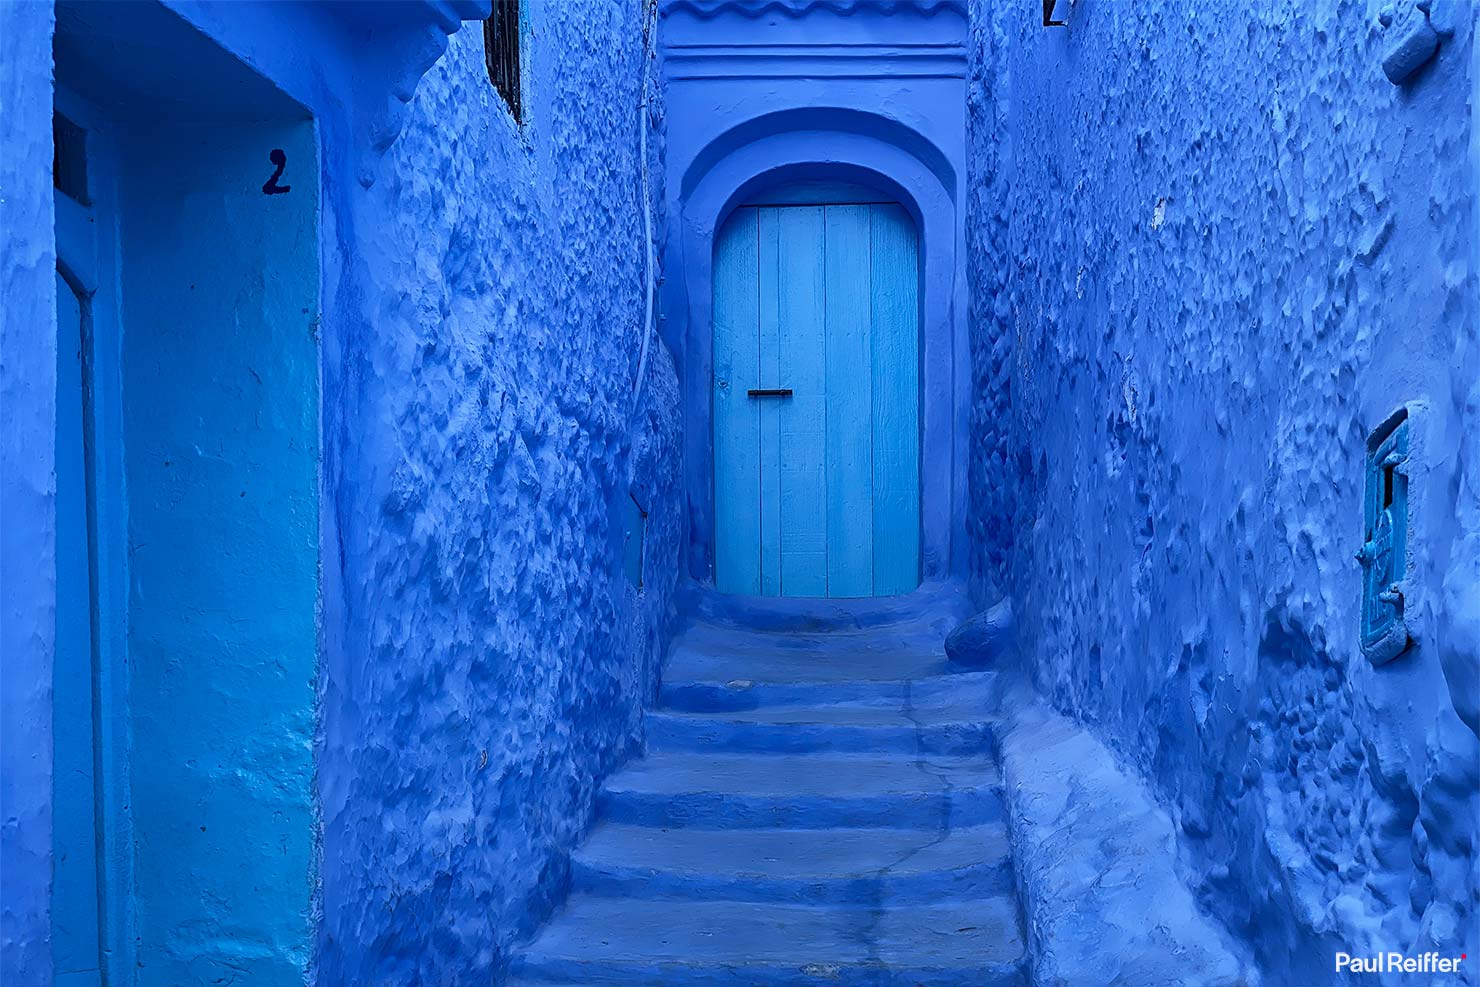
768,493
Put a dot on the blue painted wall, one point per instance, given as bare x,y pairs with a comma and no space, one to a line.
494,659
220,419
27,519
1210,252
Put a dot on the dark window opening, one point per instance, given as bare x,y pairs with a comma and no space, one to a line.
501,52
69,158
1387,486
634,534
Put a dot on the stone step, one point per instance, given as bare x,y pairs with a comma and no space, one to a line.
613,941
834,866
931,609
820,805
775,681
803,791
720,654
840,728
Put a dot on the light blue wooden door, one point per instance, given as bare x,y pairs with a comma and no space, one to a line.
816,401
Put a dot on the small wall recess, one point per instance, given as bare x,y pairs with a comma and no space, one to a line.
634,531
69,158
1384,552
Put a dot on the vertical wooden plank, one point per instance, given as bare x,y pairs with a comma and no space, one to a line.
850,487
894,287
770,412
803,362
737,536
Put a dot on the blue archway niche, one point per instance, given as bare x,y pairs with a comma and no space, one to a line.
844,145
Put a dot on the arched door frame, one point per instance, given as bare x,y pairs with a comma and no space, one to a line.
929,197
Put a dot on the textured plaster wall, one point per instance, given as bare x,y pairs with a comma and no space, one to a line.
222,481
490,661
1212,247
27,529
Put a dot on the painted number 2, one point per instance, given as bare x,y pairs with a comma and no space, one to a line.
271,186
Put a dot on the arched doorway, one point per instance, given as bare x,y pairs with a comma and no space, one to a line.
815,392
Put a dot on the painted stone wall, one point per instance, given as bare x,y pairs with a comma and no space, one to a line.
27,532
1212,249
482,441
223,577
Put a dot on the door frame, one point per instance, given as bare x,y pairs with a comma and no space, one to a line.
87,259
927,189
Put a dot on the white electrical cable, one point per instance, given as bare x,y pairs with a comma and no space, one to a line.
647,211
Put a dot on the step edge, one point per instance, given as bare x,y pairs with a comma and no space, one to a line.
597,865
